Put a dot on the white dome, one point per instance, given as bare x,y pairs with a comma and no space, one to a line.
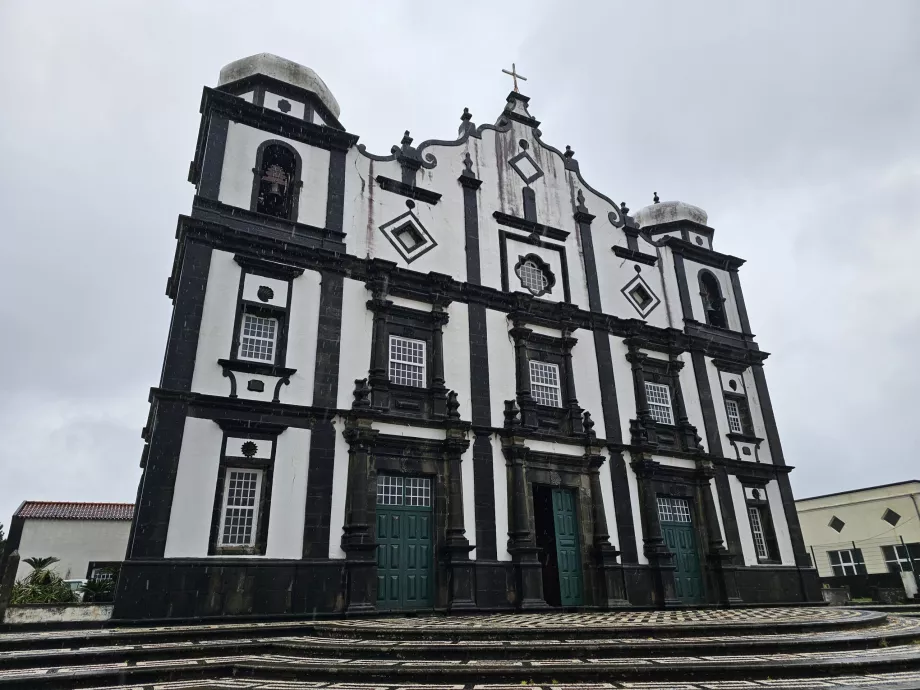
668,211
282,70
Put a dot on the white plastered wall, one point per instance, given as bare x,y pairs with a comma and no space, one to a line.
502,382
215,339
500,475
587,381
74,542
236,178
636,508
355,351
339,489
289,494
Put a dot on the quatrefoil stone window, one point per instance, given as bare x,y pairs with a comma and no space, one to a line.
535,275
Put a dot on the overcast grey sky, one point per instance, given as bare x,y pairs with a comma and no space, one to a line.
796,125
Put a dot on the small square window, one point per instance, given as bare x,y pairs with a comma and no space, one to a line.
544,383
641,296
836,524
659,402
410,238
891,517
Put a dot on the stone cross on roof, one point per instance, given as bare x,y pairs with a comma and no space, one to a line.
514,75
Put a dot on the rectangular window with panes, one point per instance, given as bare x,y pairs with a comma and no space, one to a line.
734,416
407,362
258,338
398,490
544,384
845,562
658,396
674,509
755,514
240,508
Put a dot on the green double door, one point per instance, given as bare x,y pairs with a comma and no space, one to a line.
404,553
568,554
680,537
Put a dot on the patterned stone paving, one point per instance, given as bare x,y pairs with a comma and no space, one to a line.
614,619
880,681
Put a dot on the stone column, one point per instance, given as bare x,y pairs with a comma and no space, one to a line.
378,376
457,546
659,556
522,542
605,553
359,532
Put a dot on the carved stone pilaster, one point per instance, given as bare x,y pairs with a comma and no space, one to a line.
457,545
521,539
378,376
359,534
525,401
575,420
439,319
660,559
606,554
642,429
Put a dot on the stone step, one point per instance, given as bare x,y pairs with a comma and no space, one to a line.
891,633
394,672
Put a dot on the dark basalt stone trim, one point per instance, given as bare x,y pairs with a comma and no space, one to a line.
213,163
335,197
151,514
262,368
390,185
404,282
531,226
268,269
530,204
739,301
190,286
632,238
317,515
635,255
274,122
701,255
262,83
682,288
683,225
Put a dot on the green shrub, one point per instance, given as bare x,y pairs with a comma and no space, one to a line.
42,586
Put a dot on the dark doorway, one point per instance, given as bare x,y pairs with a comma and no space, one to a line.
544,525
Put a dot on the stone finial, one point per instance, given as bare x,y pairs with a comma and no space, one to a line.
655,198
362,394
466,117
453,405
588,424
467,166
624,209
511,414
568,152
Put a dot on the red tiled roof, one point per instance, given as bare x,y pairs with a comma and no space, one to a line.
61,510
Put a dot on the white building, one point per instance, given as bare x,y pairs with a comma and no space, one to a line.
451,377
865,537
86,538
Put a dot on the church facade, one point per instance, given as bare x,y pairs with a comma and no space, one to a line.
454,377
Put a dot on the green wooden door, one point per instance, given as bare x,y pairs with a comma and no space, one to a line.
404,556
567,552
680,537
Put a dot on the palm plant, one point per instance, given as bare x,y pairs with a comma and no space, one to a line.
42,586
98,590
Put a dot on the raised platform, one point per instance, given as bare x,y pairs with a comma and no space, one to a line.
690,650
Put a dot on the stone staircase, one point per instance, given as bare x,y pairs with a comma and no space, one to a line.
689,650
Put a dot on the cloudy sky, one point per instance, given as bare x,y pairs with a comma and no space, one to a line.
796,125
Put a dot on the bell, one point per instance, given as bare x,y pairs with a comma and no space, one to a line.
275,190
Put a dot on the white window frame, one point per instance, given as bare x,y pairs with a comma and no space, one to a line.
548,390
253,535
259,339
103,574
733,410
759,534
532,271
672,509
415,366
844,565
898,558
665,413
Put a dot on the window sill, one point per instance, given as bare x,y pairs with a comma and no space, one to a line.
237,551
262,368
743,438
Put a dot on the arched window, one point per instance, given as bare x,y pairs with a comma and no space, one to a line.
276,180
713,302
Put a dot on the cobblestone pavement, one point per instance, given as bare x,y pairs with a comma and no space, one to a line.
882,681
